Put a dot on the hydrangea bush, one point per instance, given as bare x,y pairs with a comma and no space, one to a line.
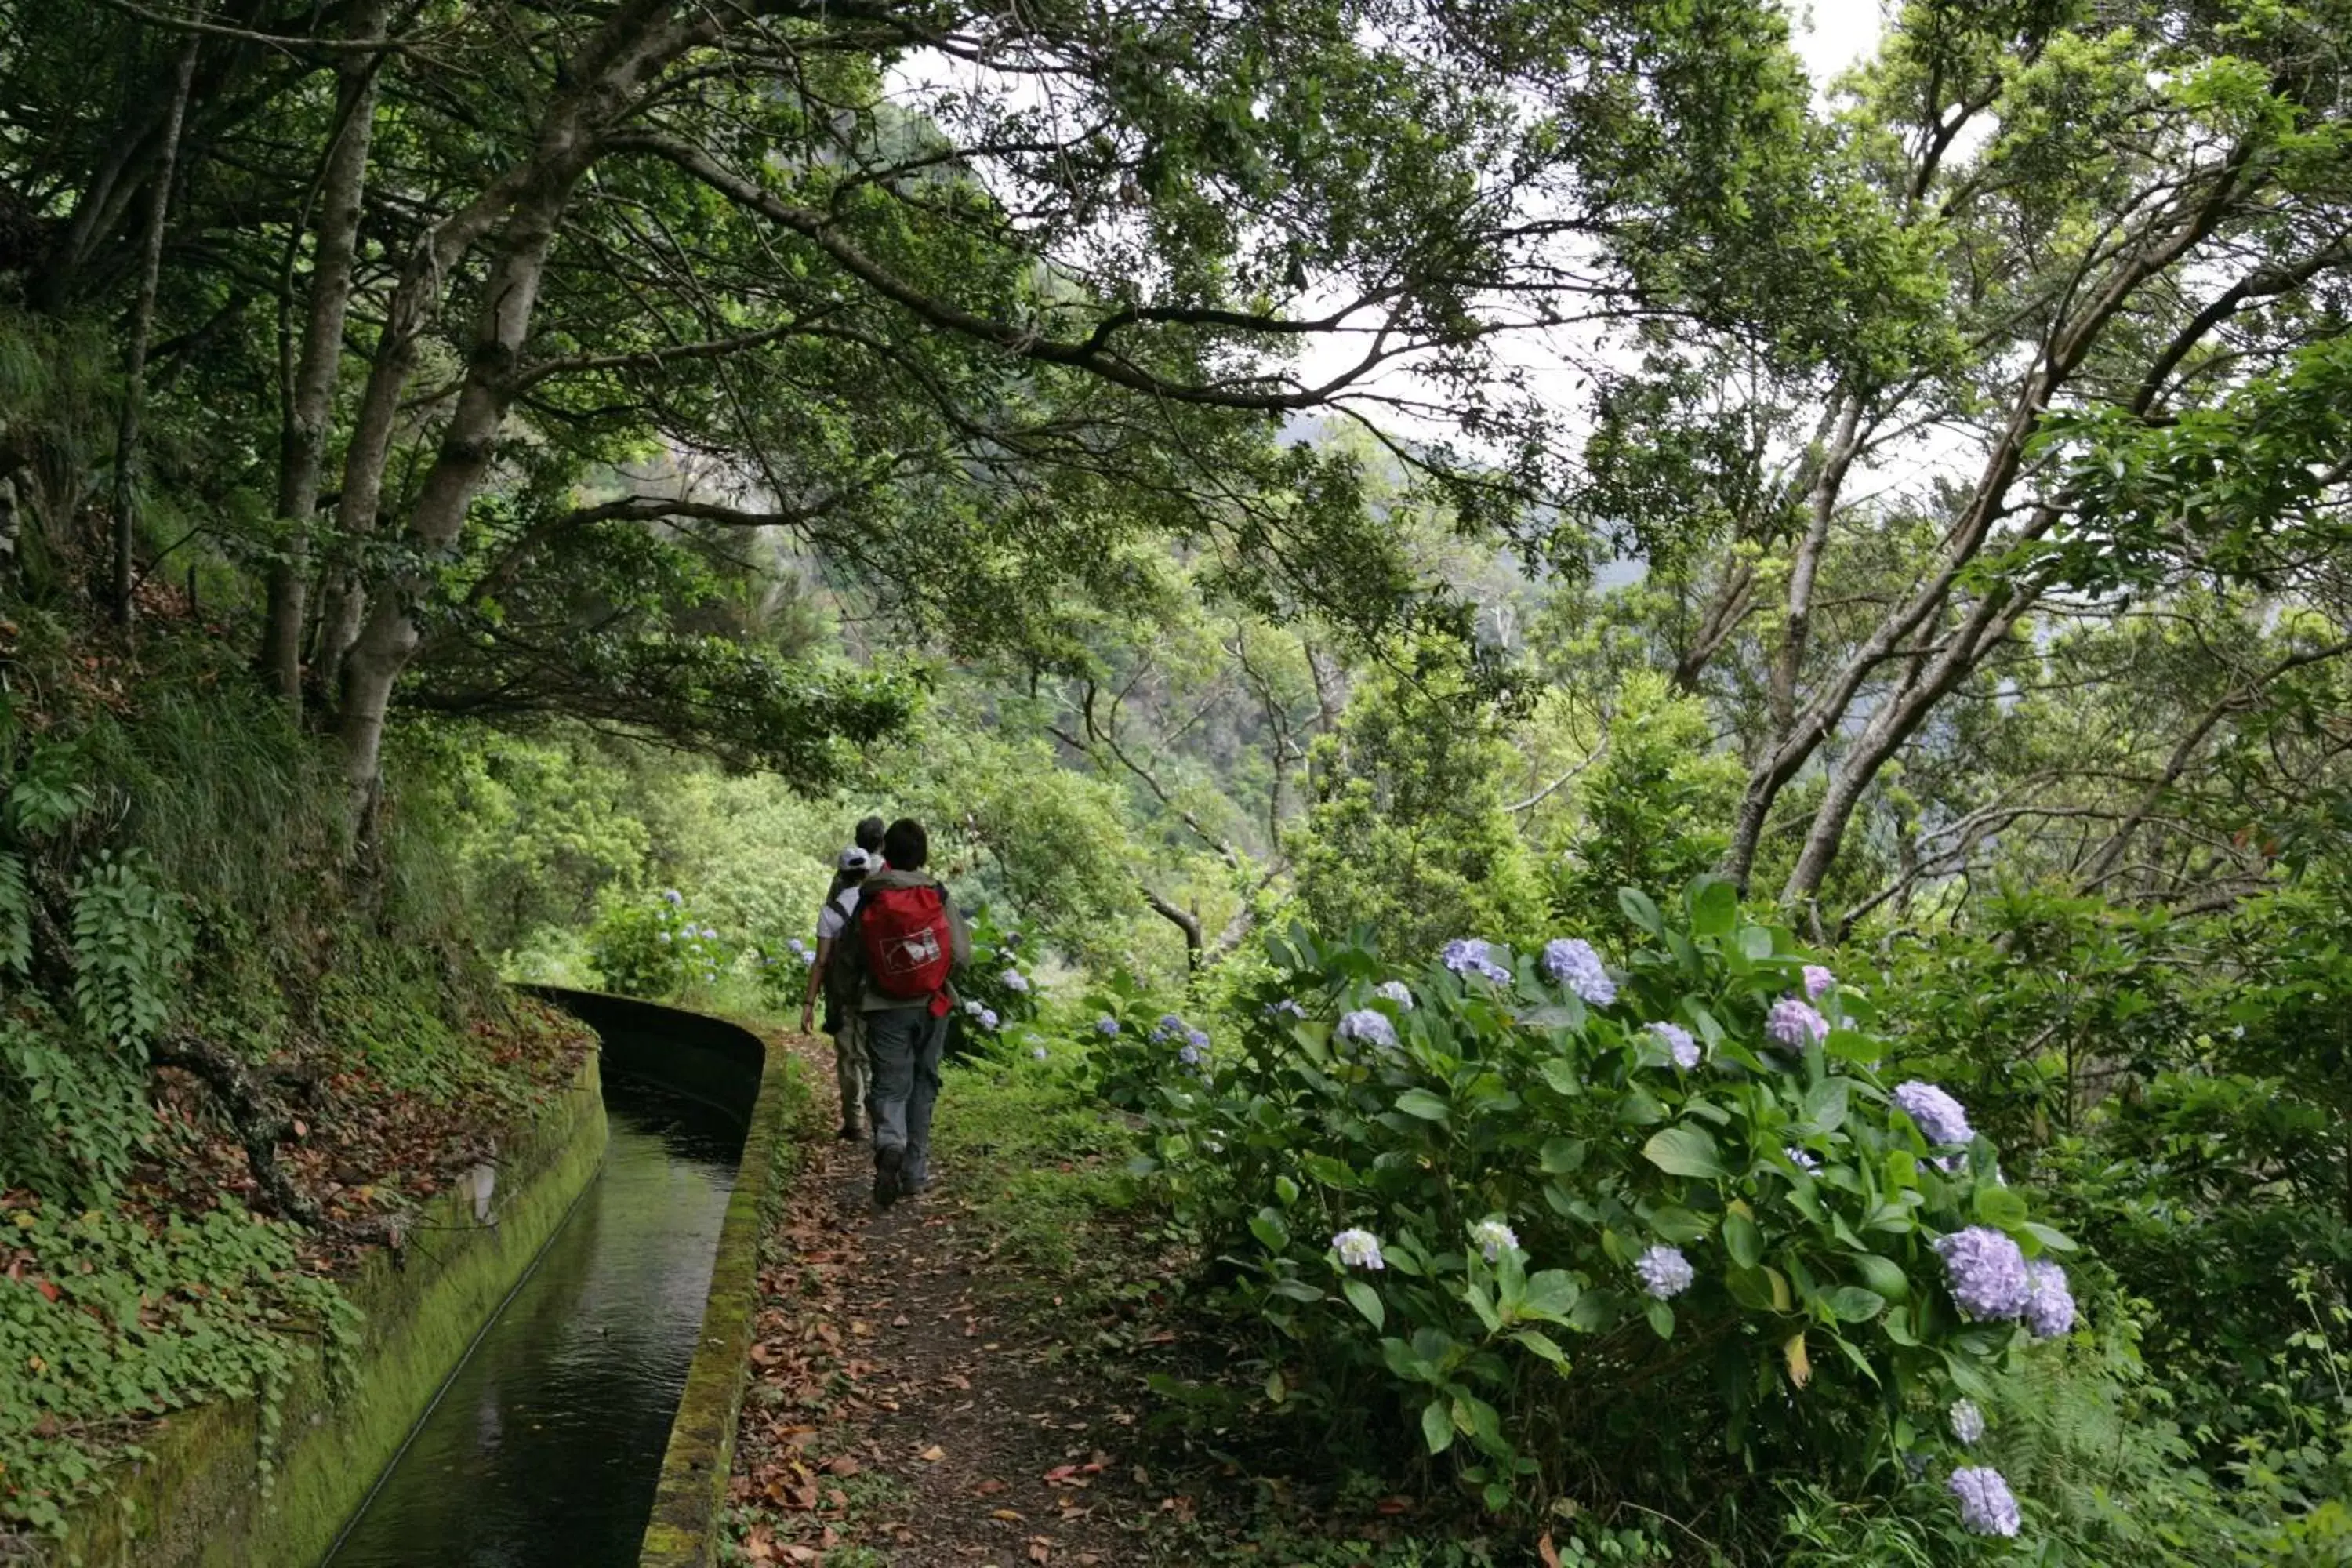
656,947
998,993
1538,1198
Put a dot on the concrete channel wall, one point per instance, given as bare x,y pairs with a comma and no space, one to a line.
200,1498
725,1061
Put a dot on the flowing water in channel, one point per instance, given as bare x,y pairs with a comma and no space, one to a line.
542,1450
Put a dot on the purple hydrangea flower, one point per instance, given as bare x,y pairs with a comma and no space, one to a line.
1198,1040
1370,1027
1666,1272
1573,964
2048,1304
1803,1160
1679,1044
1968,1421
1941,1119
1193,1055
1819,982
1986,1508
1037,1051
1985,1272
1286,1008
1359,1250
1493,1237
1168,1028
1395,991
670,897
1014,981
795,946
1106,1026
988,1017
1473,955
1795,1025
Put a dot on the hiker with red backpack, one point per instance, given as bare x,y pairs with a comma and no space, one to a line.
907,940
837,978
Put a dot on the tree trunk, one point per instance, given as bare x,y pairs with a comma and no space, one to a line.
142,326
1820,508
303,441
1988,625
530,199
2165,241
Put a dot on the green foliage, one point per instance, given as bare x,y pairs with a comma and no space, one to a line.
1818,1338
1408,836
131,942
105,1317
1650,811
656,947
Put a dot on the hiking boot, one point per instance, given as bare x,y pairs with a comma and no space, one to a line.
851,1133
889,1176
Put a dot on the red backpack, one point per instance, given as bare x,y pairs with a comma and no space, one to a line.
908,944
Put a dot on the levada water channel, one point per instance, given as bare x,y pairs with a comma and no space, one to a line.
543,1448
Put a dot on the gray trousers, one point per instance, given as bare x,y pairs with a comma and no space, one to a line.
903,1046
849,1066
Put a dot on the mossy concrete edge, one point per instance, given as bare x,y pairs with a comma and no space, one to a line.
199,1499
690,1501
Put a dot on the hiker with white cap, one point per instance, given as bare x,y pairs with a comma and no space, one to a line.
843,1020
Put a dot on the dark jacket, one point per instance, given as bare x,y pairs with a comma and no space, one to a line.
960,937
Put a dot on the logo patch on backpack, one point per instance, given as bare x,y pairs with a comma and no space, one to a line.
905,933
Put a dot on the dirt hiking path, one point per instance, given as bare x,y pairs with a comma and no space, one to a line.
901,1412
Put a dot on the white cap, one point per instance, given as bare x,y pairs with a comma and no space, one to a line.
855,860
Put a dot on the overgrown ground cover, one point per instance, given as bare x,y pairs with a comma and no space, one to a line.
226,1074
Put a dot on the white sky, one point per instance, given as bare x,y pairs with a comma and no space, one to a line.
1832,34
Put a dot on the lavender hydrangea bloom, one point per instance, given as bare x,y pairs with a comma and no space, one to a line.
795,946
1493,1237
661,936
1473,955
1986,1508
2048,1303
1015,982
1819,982
1666,1272
1106,1026
1795,1025
1803,1160
1286,1008
1573,964
1168,1028
1194,1057
988,1017
1395,991
1359,1250
670,897
1968,1421
1679,1044
1985,1272
1941,1119
1370,1027
1198,1040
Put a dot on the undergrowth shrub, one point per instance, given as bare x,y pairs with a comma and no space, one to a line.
1584,1227
656,947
